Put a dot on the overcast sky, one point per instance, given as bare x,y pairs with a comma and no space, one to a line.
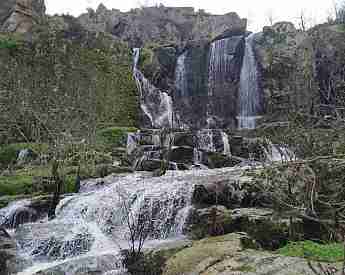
257,11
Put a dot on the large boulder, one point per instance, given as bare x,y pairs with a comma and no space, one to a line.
227,255
20,15
231,193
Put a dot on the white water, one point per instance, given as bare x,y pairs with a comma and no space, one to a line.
219,66
249,92
155,104
16,213
276,153
226,144
101,216
181,84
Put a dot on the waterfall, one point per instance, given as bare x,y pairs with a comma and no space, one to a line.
226,144
155,104
93,224
249,92
219,65
181,84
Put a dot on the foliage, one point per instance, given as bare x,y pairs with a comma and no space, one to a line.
115,136
11,41
332,252
59,84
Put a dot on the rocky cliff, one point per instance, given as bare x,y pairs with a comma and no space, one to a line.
20,15
302,71
161,24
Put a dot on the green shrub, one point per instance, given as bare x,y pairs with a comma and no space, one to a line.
332,252
8,155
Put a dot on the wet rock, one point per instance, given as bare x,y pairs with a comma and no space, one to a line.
182,155
184,139
231,193
217,160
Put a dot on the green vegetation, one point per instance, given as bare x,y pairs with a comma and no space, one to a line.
9,153
59,84
114,136
314,251
34,180
10,42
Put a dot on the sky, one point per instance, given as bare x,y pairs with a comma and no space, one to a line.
257,12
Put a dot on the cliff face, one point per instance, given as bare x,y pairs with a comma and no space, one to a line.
302,71
20,15
161,25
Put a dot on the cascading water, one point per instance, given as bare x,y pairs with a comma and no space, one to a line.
181,84
249,92
93,225
219,64
226,144
155,104
219,70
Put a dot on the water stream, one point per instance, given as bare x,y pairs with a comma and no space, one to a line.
155,104
250,103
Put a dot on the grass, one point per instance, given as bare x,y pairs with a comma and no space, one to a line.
333,252
28,181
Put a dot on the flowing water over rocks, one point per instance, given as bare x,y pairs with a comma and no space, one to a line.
156,105
90,228
250,102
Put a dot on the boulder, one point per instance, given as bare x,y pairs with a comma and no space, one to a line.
229,254
231,193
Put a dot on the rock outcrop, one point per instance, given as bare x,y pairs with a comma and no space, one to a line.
228,255
20,15
302,71
161,24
